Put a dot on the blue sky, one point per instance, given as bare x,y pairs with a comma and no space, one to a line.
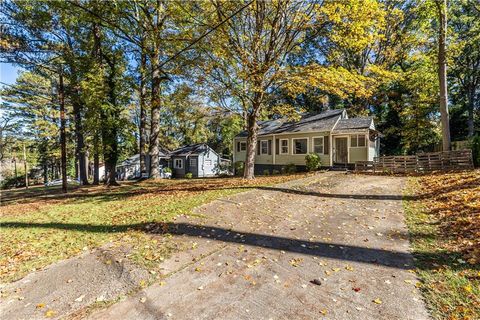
8,73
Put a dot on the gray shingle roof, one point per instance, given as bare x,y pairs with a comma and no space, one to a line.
323,121
192,149
353,123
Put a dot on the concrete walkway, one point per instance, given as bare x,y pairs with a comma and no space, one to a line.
331,246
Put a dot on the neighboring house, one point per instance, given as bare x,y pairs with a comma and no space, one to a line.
337,139
130,168
199,159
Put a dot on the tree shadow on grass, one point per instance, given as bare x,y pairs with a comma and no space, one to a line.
130,189
345,252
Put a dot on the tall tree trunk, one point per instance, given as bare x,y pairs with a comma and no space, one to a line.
109,127
80,148
471,107
143,112
25,165
154,149
442,73
63,139
96,158
252,129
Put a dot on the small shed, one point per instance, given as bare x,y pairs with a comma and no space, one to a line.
198,159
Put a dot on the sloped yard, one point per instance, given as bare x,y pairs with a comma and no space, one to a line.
41,226
444,221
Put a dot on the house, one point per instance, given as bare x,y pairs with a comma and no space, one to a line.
336,138
130,167
198,159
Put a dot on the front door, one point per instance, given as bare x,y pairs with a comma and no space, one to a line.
341,150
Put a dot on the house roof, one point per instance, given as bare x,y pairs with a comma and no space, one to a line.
135,159
354,123
324,121
191,150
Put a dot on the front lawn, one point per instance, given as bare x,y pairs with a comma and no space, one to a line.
443,216
42,226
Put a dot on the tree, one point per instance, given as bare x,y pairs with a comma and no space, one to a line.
442,72
464,75
249,54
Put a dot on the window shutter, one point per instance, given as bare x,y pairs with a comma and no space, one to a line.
269,147
258,147
238,146
326,145
277,146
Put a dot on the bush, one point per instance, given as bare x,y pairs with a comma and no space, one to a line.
475,146
290,168
188,175
275,172
312,161
266,172
167,170
239,168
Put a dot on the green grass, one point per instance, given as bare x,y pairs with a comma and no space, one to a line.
44,228
450,285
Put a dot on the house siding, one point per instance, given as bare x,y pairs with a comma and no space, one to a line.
284,159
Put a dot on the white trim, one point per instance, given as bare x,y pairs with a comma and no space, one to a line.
357,135
261,147
245,143
274,150
323,144
280,146
175,163
293,146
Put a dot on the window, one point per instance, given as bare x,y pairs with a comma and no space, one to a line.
318,145
178,163
208,162
357,140
264,147
284,146
300,146
193,162
243,145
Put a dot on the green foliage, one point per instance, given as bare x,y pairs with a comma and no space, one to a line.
167,170
188,175
275,172
312,161
239,166
289,168
266,172
475,146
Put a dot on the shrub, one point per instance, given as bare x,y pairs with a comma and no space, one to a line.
275,172
475,146
312,161
167,170
239,168
188,175
266,172
290,168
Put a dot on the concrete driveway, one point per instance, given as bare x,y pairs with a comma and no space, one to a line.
331,246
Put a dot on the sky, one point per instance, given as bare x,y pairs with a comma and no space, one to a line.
8,73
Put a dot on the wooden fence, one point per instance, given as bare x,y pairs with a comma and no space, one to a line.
420,163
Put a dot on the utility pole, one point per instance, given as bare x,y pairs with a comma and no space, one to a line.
63,144
25,165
